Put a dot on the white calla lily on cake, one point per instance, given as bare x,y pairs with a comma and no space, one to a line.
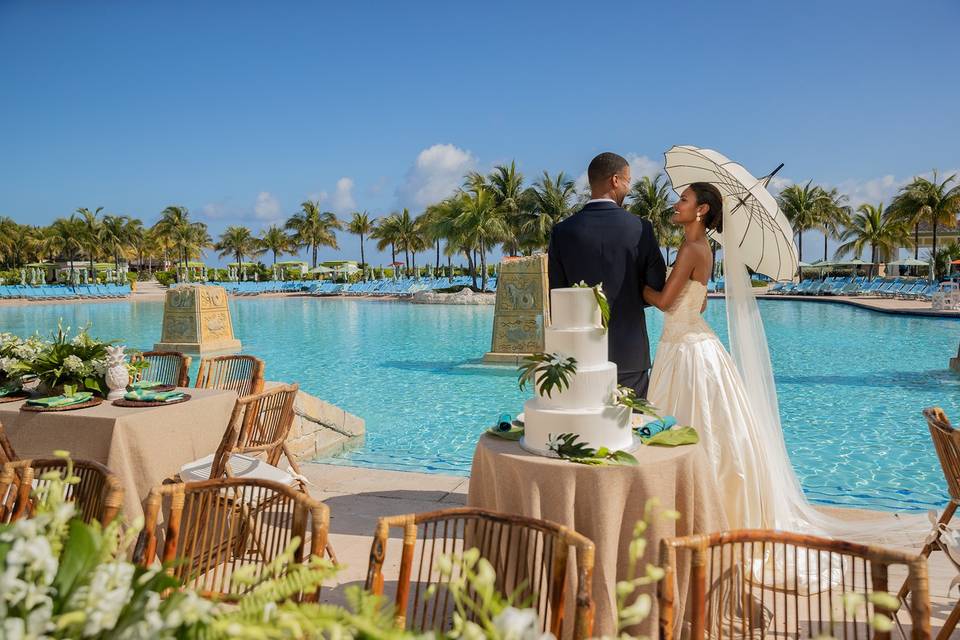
751,216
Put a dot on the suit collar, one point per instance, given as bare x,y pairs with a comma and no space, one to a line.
603,205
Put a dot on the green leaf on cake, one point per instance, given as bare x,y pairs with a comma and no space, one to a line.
627,397
568,447
548,371
601,298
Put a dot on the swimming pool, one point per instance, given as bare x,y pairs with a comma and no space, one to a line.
851,381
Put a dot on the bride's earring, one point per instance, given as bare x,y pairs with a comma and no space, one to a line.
699,217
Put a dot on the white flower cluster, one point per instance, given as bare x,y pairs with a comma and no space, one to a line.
73,364
15,351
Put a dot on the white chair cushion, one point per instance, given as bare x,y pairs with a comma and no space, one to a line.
241,466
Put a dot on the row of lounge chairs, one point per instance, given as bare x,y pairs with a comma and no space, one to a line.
391,287
905,288
64,292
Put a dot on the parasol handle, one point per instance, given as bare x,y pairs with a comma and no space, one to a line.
767,178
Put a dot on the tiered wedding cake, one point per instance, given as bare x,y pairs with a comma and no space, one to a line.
586,407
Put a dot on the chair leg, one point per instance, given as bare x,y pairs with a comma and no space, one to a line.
950,624
332,554
928,548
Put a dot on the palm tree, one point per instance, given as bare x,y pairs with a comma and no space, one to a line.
65,239
387,234
314,228
834,216
552,200
440,222
481,223
90,233
275,239
16,241
650,199
410,238
115,235
506,186
237,241
875,228
803,206
175,228
928,201
361,225
140,240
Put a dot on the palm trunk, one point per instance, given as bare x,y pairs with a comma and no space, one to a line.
406,260
363,258
824,246
314,257
933,269
413,260
438,253
449,266
800,252
873,258
470,267
483,266
916,241
393,255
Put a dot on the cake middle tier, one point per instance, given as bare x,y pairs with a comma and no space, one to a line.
588,344
589,388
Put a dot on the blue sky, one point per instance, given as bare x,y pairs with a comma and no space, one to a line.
241,110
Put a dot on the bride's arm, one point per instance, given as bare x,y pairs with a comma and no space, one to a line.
681,272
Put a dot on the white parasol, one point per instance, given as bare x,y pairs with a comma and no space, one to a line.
751,216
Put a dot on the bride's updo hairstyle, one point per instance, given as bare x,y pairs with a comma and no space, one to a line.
709,195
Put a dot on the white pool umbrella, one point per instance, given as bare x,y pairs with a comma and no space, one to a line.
751,216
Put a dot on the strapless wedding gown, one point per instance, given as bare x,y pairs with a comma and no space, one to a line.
695,380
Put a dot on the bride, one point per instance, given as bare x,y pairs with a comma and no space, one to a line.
731,400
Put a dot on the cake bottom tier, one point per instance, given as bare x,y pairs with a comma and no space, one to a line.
598,427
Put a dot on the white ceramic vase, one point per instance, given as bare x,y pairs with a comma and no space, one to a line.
117,375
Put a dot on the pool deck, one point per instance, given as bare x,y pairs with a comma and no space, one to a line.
358,496
893,306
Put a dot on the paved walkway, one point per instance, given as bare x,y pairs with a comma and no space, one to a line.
357,497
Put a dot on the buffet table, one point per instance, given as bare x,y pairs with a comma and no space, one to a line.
603,503
141,445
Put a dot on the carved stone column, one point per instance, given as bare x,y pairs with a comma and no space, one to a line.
522,309
196,320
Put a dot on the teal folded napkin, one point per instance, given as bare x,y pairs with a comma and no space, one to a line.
61,401
514,433
6,390
153,396
673,437
146,384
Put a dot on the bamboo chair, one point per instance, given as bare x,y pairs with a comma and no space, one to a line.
211,531
243,374
946,440
7,453
731,597
530,558
254,443
167,367
98,495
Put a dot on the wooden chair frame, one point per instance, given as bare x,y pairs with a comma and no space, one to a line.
228,372
98,495
223,507
180,377
559,539
7,453
946,441
702,566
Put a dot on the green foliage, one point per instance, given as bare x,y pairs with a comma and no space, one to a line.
627,397
567,447
79,361
165,278
548,371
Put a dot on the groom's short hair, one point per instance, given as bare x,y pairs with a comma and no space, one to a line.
604,167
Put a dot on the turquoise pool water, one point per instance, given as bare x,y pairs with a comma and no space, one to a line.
851,382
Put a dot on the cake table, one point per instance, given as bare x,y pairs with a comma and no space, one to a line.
603,503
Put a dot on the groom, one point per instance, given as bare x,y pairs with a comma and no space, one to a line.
603,243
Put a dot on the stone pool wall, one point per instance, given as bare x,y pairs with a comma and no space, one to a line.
321,428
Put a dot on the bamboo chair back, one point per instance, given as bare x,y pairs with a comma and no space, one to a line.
167,367
7,454
798,593
98,494
259,425
946,440
212,528
243,374
531,559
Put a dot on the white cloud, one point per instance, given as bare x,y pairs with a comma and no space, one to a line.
437,172
214,210
267,207
342,201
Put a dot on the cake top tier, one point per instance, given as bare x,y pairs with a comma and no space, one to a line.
574,308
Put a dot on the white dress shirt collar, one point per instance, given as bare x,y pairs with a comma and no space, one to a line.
601,200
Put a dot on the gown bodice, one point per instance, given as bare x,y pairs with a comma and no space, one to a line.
683,322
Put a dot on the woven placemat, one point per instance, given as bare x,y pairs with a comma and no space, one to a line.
160,388
15,397
123,402
92,402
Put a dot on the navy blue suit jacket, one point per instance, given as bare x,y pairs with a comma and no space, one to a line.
605,243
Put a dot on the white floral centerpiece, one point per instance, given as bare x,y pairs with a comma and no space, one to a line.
16,360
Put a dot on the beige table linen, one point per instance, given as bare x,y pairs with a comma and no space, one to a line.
141,445
603,503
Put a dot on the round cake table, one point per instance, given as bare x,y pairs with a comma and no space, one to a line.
603,503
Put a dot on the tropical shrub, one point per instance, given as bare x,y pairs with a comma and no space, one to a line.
165,278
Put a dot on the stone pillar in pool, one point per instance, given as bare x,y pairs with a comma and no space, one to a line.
955,362
196,320
522,309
